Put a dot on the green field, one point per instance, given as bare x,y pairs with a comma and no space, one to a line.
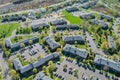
7,28
72,19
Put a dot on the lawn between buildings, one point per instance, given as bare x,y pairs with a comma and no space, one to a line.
72,19
7,28
19,38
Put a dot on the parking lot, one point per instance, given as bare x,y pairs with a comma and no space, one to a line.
32,51
83,72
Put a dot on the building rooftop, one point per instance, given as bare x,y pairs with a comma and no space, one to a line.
74,50
16,46
23,69
104,16
72,9
107,62
74,38
17,64
51,43
103,24
58,22
37,26
111,42
87,16
67,27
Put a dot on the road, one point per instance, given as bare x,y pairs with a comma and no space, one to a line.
91,43
93,46
4,67
115,25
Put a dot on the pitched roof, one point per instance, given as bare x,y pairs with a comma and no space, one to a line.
96,21
72,9
65,27
107,62
74,50
89,4
8,42
17,45
36,26
17,64
104,16
72,38
111,42
26,68
87,16
58,22
52,43
45,59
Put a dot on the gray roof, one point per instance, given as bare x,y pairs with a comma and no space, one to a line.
58,22
72,9
72,38
107,62
89,4
17,64
41,76
36,26
45,59
87,16
26,68
111,42
65,27
104,16
74,50
52,43
17,45
8,42
102,23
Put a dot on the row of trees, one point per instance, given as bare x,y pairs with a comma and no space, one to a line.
23,30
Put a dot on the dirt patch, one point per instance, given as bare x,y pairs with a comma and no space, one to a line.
100,9
4,1
26,5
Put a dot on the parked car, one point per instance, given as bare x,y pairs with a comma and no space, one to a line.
58,63
62,78
55,69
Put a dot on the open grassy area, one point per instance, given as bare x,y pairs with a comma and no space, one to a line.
19,38
72,19
7,28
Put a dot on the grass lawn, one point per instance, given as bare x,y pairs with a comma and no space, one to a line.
7,28
23,62
19,38
72,19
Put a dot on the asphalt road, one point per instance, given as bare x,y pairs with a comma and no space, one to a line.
4,68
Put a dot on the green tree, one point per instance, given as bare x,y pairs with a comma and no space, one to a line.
7,53
39,57
76,72
115,57
30,42
22,45
34,70
14,74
